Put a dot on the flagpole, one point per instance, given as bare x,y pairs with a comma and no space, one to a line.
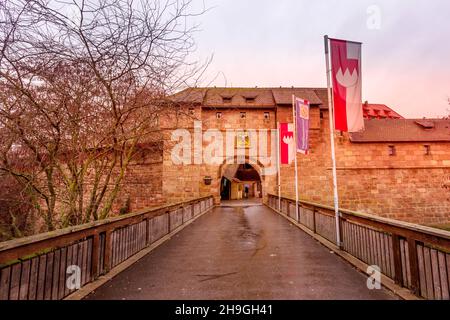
295,157
278,166
333,153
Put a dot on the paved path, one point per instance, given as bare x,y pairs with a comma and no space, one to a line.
240,253
242,202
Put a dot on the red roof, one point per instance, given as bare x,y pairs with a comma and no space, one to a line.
213,96
403,130
379,111
271,97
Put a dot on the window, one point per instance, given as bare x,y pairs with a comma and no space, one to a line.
266,116
226,99
427,149
243,115
249,99
218,115
191,111
392,150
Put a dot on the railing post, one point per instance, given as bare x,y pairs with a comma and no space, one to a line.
341,243
107,260
147,232
168,221
414,266
95,255
398,277
314,220
182,215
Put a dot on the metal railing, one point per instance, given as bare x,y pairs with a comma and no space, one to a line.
41,266
415,257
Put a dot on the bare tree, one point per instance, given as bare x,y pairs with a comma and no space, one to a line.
82,84
16,207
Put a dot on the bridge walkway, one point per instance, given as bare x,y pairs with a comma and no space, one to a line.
240,252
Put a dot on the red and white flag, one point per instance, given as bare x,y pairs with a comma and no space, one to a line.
287,143
346,75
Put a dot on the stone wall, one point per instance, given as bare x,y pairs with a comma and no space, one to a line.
409,186
187,181
142,184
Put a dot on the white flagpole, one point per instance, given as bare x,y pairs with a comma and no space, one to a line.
278,166
333,154
295,157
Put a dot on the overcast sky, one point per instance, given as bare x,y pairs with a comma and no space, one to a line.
406,53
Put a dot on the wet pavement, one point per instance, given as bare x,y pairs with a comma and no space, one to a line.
242,203
236,252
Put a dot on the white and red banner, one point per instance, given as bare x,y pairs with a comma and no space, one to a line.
302,124
346,76
287,143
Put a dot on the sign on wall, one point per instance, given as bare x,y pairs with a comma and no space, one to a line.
242,139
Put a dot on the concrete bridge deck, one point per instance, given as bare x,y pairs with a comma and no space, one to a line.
240,252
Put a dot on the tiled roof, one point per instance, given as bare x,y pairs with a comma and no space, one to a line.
270,97
322,93
379,111
214,96
189,95
261,96
403,130
284,95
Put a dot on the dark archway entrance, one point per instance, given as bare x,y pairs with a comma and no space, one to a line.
225,189
240,181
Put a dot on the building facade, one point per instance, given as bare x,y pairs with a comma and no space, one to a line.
397,168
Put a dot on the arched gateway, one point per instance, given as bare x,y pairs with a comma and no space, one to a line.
240,180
